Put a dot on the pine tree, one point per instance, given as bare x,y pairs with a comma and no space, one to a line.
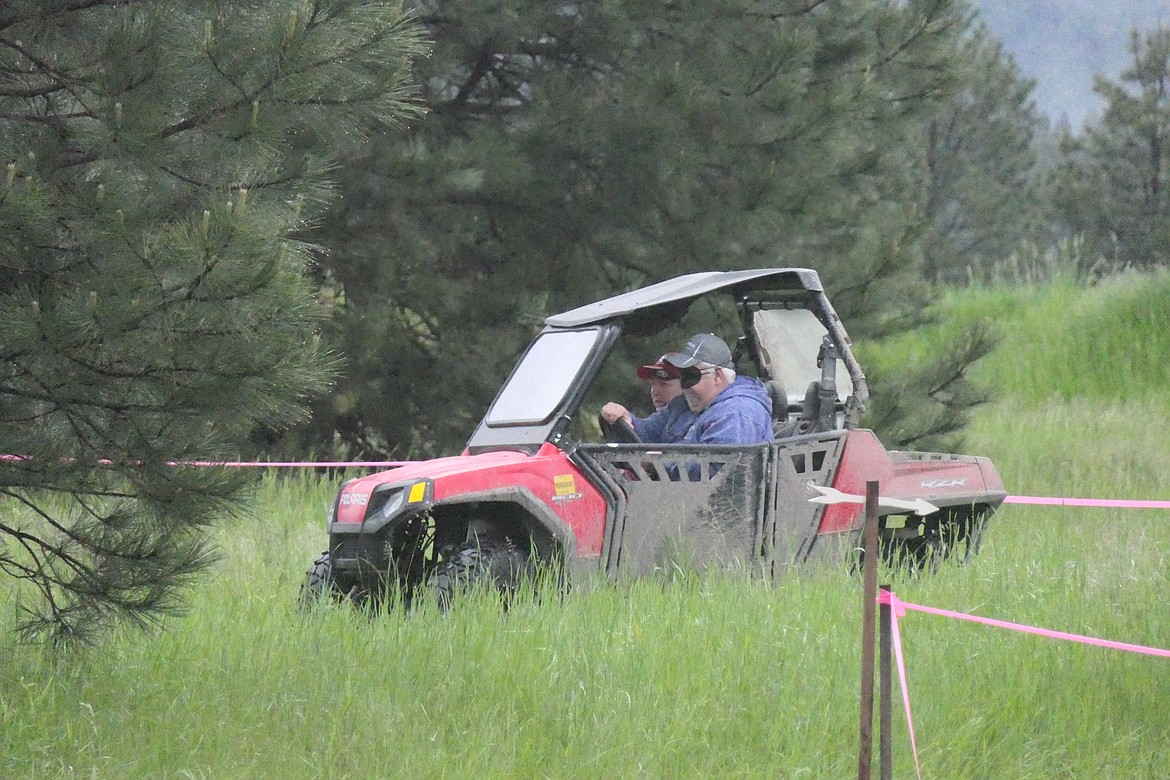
574,150
1111,184
162,165
982,170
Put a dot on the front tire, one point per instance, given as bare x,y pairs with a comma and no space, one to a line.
319,584
493,563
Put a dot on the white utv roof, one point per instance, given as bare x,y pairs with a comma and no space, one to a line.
684,289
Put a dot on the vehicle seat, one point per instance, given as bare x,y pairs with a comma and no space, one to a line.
779,402
810,414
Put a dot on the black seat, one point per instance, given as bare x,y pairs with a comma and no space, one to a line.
810,415
779,402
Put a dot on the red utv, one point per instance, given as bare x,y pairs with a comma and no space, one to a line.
538,487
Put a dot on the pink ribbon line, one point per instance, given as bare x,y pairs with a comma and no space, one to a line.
312,464
324,464
1105,502
901,606
886,597
898,609
389,464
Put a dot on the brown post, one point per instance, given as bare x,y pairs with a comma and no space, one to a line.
868,619
885,689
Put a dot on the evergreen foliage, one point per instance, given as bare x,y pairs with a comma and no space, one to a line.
983,198
1111,185
576,150
161,164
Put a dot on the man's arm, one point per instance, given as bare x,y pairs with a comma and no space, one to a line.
730,426
652,428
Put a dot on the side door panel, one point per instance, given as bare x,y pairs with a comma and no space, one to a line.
685,506
681,506
791,528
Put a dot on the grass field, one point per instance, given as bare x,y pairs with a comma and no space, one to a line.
684,677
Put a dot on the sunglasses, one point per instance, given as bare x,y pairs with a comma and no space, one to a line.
692,376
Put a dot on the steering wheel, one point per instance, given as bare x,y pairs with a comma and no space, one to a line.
619,431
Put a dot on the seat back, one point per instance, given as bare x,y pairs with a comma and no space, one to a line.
810,415
779,402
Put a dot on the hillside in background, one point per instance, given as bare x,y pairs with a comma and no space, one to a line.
1063,43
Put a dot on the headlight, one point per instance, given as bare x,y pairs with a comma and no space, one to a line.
386,502
393,504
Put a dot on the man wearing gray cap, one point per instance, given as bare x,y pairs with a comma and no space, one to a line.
731,409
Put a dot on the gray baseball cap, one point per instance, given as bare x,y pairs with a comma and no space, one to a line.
701,348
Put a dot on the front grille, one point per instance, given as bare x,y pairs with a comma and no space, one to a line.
359,553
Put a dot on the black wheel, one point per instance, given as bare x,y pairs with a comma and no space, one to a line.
319,584
494,563
619,431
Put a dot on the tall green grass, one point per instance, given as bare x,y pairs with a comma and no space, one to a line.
688,675
1063,341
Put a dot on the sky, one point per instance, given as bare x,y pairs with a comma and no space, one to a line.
1063,43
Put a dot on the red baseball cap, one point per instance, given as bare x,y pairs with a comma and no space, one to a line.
659,370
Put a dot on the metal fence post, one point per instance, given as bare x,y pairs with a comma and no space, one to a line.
868,619
885,689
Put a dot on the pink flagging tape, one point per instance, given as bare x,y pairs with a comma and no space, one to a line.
1120,503
389,464
898,609
302,464
314,464
1106,502
1045,632
886,597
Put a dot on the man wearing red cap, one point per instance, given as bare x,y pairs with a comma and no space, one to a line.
672,417
664,383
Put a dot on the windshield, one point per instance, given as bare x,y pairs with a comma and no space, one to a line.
542,378
790,340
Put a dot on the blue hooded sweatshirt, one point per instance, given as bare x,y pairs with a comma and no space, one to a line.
668,425
741,414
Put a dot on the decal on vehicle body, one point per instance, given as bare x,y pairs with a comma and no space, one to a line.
569,497
564,484
354,498
943,483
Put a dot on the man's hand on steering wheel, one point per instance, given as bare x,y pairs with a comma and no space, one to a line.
616,425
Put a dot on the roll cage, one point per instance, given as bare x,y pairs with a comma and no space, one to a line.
791,337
